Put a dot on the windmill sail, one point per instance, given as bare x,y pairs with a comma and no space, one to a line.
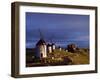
40,33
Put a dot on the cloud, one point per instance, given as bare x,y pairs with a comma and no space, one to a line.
30,44
59,27
82,38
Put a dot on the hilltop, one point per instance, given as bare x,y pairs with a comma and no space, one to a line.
58,57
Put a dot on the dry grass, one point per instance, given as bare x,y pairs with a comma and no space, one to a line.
80,57
61,58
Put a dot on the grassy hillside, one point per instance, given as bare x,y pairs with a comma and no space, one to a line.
58,57
79,57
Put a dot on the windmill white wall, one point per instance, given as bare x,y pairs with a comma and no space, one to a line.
60,48
53,47
41,49
49,48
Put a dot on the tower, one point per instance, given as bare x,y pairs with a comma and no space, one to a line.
41,47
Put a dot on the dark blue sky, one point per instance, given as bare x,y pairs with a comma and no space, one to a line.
62,29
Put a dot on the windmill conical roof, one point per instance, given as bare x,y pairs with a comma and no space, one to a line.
41,42
49,45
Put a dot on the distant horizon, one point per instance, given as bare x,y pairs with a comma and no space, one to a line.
54,27
64,45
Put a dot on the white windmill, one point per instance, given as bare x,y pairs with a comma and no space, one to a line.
41,48
51,46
